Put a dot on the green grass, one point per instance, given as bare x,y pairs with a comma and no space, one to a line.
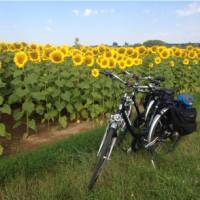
62,171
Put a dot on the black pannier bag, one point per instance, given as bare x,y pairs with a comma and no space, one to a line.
184,120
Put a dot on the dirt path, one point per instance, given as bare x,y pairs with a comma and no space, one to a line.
53,134
45,135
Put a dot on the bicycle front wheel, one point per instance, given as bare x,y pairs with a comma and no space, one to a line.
102,156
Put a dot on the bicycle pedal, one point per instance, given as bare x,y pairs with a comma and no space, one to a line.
129,150
106,158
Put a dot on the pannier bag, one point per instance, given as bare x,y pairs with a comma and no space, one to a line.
184,120
186,100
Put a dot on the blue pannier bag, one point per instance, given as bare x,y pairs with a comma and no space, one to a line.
186,100
184,115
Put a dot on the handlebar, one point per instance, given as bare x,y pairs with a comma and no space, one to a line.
135,86
155,80
112,75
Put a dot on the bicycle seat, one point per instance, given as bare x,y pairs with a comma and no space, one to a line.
167,91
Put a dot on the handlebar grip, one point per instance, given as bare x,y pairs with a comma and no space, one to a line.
107,73
160,78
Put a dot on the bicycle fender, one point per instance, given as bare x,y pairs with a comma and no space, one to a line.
149,108
155,120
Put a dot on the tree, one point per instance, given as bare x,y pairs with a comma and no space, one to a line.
115,44
77,42
150,43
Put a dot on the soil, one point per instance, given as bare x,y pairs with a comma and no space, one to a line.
21,142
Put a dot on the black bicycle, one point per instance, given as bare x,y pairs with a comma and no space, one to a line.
163,121
119,124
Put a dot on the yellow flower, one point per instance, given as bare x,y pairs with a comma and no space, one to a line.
150,65
0,64
122,64
129,62
195,62
112,63
108,54
89,60
137,61
157,60
186,61
104,62
164,54
34,56
122,50
33,46
56,57
77,59
20,59
172,63
192,54
177,52
95,72
142,50
46,53
129,51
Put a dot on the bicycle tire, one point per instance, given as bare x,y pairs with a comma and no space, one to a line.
101,158
157,133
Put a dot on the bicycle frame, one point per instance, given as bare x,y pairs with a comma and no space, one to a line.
121,119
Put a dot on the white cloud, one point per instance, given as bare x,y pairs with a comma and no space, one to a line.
49,29
76,12
88,12
191,9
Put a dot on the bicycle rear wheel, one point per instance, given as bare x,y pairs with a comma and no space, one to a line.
161,140
102,157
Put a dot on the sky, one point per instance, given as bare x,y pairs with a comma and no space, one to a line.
99,22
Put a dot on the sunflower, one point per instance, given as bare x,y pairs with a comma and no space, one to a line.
104,62
34,56
189,47
129,51
135,53
192,54
122,50
186,61
95,51
129,62
122,64
33,46
46,53
20,59
137,61
172,63
177,52
65,50
141,50
164,54
78,59
112,63
157,60
195,62
89,60
56,57
151,65
153,49
95,72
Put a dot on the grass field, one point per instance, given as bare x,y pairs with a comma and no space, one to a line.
62,170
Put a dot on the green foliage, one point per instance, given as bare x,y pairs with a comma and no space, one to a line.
65,93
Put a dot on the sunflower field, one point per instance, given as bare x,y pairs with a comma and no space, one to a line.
46,83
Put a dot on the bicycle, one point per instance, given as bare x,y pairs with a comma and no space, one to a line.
117,123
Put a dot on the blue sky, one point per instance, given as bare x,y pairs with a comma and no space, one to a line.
99,22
